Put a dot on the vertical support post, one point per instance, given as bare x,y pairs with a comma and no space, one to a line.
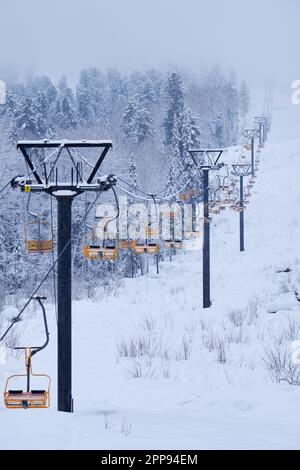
206,241
242,243
194,216
28,368
64,304
252,156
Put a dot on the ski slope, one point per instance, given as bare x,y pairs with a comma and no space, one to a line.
193,378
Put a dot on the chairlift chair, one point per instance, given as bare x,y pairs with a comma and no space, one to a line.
31,398
127,244
107,252
190,235
101,249
38,245
149,248
172,244
36,240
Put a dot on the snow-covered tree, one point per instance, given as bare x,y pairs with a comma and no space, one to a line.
129,120
175,100
65,107
132,171
244,100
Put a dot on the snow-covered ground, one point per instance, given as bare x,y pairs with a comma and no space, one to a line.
152,369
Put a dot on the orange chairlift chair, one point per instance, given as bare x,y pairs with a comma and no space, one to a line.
29,398
104,249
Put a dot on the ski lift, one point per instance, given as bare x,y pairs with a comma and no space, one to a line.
38,238
31,398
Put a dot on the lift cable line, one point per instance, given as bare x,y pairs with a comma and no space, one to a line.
160,199
8,184
150,195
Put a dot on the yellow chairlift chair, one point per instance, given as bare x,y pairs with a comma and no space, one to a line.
29,398
38,238
105,249
38,244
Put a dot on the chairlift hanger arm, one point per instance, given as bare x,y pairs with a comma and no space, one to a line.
28,208
36,349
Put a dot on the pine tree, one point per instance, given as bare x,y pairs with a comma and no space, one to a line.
132,171
137,122
244,98
65,112
232,112
171,179
144,124
129,121
175,98
219,130
86,114
244,101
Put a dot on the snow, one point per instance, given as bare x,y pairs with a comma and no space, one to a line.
64,192
202,380
64,142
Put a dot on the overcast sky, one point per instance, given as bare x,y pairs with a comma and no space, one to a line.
258,38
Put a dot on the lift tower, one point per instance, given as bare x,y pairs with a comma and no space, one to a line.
64,169
206,160
241,170
252,134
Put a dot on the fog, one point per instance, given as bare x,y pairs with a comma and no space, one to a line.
257,38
